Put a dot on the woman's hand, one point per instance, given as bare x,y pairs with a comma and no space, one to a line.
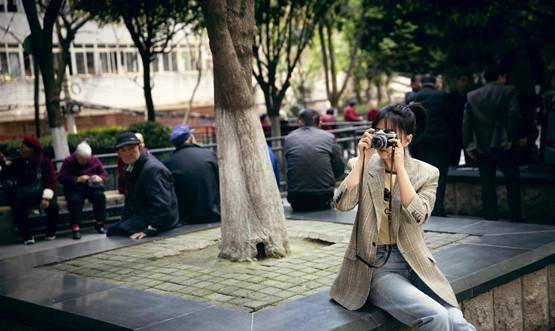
365,145
399,155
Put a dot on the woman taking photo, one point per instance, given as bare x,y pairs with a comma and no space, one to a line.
387,262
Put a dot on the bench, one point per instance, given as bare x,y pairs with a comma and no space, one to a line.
114,203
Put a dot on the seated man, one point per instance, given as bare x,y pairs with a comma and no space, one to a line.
32,183
313,164
195,172
83,176
150,206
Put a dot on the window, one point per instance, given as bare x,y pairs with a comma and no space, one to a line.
154,65
4,64
114,62
80,63
15,65
90,63
131,62
28,64
189,56
11,6
166,61
174,61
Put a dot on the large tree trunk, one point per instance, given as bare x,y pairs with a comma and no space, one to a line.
252,213
42,53
55,119
147,89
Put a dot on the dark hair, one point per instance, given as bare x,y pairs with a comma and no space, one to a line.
398,116
415,77
309,117
330,111
493,72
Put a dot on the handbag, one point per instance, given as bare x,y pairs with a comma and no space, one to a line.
32,191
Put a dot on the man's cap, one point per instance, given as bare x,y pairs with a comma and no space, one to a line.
180,134
428,79
127,138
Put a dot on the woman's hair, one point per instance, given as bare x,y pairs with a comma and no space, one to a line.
399,117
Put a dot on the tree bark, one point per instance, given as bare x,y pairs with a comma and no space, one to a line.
252,213
42,53
36,97
147,88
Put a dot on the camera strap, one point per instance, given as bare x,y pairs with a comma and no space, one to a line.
388,213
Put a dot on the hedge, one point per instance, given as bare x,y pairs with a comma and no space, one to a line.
102,140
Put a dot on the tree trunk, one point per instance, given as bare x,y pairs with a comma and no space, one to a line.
147,89
252,213
55,120
36,97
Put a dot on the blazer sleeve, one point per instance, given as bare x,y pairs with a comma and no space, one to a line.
345,199
421,206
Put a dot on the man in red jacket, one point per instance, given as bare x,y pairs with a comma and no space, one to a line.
33,183
83,177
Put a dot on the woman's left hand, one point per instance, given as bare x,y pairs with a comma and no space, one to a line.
399,155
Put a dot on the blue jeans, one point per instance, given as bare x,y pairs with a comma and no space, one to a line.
397,289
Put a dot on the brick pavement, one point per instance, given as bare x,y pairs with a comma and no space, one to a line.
186,266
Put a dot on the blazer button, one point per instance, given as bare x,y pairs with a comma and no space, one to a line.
374,243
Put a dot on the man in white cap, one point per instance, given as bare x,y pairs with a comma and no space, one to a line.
83,176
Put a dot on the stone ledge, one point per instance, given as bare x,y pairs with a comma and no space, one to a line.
508,259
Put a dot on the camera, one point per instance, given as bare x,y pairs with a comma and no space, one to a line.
382,139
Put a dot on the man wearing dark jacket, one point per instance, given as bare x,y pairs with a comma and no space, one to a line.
195,173
314,164
151,205
436,141
490,132
83,177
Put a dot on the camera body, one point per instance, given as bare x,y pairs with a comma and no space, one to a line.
382,139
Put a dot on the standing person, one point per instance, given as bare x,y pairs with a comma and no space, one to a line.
415,85
122,188
395,199
83,176
150,206
525,71
313,164
33,183
196,181
490,134
437,140
456,101
350,112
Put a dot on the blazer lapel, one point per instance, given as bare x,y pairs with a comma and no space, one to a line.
376,173
396,194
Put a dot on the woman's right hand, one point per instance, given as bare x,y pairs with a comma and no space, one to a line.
365,145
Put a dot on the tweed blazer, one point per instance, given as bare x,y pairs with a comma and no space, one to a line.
352,285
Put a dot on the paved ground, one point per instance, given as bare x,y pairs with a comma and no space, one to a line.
62,240
186,266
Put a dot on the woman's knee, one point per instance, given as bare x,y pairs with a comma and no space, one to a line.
436,318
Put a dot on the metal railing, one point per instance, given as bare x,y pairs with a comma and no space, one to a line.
346,137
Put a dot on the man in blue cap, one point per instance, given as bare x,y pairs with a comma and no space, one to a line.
150,205
195,173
